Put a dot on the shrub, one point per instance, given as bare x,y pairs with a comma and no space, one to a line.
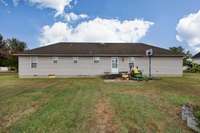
194,68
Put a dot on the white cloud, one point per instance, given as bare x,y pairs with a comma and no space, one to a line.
96,30
16,2
69,17
188,30
58,5
57,32
3,2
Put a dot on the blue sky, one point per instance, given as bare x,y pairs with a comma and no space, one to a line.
26,20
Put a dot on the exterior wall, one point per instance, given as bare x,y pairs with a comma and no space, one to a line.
196,60
161,66
66,67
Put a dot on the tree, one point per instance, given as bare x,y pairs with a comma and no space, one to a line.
1,39
177,50
8,48
3,52
2,43
16,46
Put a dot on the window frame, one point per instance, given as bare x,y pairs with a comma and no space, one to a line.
55,60
34,60
75,60
96,60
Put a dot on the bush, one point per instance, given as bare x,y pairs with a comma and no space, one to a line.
194,68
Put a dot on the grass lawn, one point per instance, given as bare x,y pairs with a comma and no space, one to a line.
88,105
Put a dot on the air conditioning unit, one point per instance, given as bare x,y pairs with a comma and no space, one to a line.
149,52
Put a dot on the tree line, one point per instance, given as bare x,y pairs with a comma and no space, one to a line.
9,47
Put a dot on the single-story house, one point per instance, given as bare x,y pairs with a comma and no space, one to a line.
196,58
67,59
4,69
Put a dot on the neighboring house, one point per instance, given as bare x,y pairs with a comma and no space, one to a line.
4,69
196,58
90,59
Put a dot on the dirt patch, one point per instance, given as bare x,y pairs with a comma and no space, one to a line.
103,119
152,127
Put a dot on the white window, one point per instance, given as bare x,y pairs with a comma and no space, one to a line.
75,59
96,59
55,60
131,60
34,62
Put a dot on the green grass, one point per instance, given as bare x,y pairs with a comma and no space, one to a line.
68,105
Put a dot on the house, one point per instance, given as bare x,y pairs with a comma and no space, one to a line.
67,59
196,58
4,69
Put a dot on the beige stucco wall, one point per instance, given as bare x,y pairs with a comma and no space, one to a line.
197,60
161,66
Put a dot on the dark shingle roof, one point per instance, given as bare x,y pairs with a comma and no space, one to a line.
96,49
197,55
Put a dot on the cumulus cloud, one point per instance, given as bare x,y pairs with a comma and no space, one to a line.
96,30
69,17
57,32
188,30
58,5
